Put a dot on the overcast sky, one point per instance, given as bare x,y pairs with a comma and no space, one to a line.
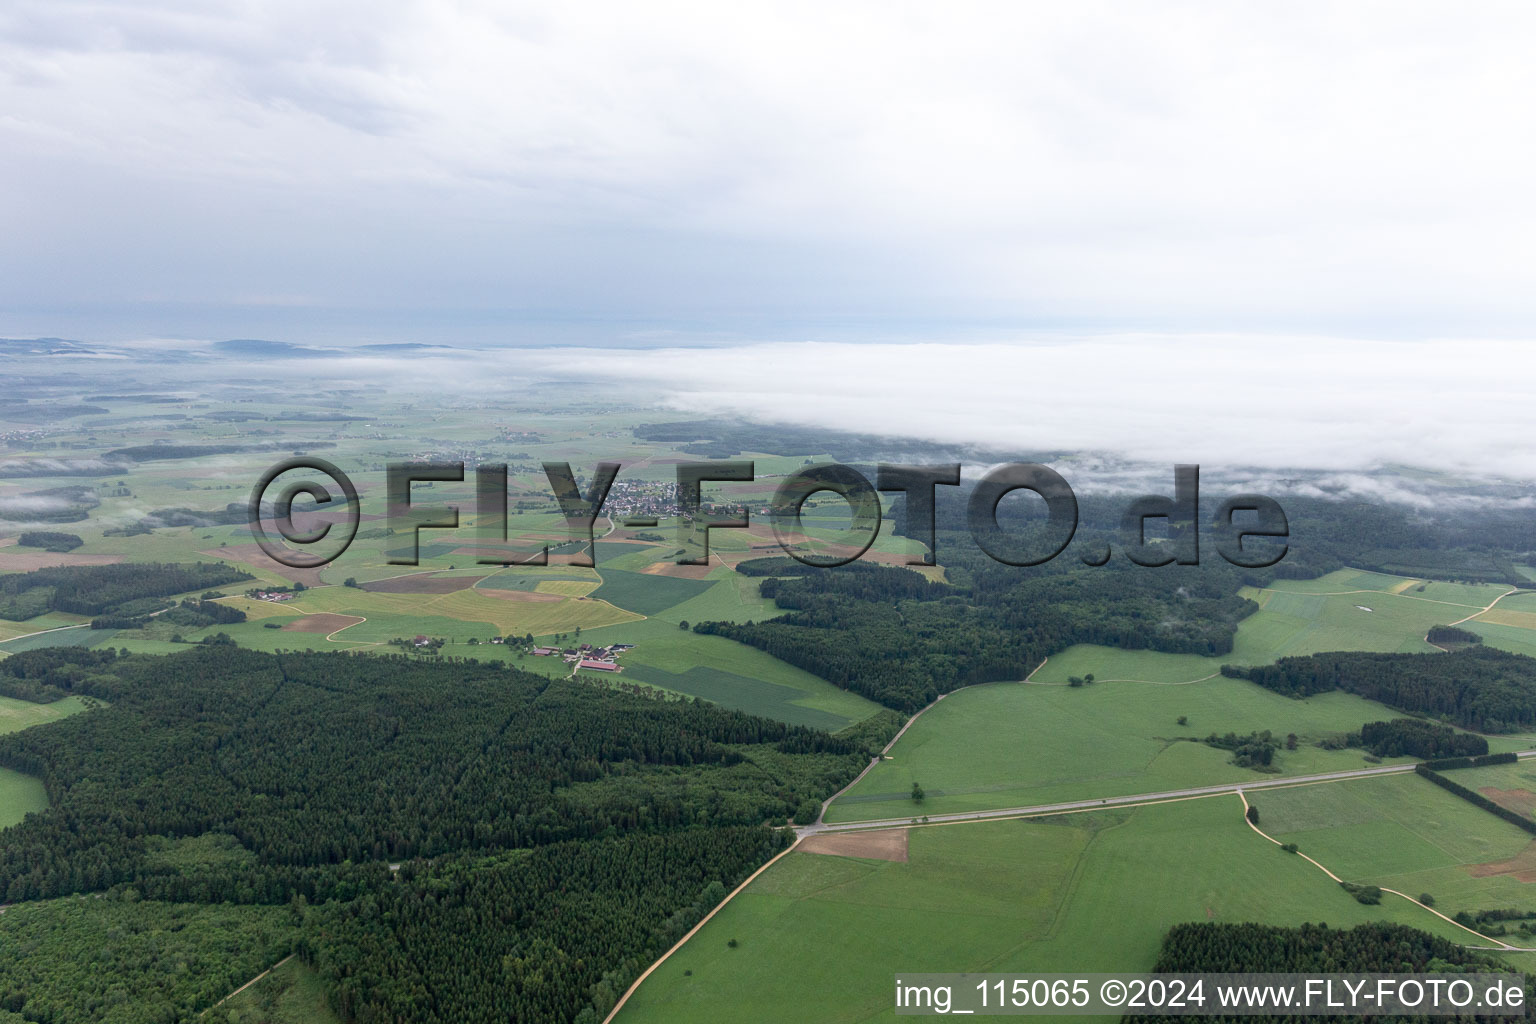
627,173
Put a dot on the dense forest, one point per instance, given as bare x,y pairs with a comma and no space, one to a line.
49,540
1414,737
1441,635
123,960
551,836
1218,948
557,934
898,639
194,614
1476,687
106,589
312,760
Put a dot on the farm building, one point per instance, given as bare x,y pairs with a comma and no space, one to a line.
544,651
603,666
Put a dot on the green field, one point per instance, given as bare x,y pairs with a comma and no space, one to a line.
1016,745
1007,745
1501,776
824,934
82,636
1301,617
19,714
21,794
645,593
726,672
1406,833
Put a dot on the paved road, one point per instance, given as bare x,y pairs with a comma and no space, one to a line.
1081,805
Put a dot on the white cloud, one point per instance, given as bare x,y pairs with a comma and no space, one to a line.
1360,166
1327,414
1277,403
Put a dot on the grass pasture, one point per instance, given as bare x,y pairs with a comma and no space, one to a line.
1405,833
1297,617
729,673
754,696
1091,892
22,794
1015,745
19,714
82,636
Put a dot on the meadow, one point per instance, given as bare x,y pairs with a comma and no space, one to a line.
1406,833
1347,610
1009,745
1087,892
1021,744
21,794
728,673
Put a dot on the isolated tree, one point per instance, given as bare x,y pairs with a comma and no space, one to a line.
1088,678
683,625
917,793
1074,680
1290,741
1253,814
350,581
1426,899
1183,719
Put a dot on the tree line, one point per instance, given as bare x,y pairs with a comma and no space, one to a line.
106,589
1376,948
1476,687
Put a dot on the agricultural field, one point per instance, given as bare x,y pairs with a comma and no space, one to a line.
1089,892
728,673
21,794
19,714
1405,833
1006,744
1510,785
1348,610
1021,744
1509,625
